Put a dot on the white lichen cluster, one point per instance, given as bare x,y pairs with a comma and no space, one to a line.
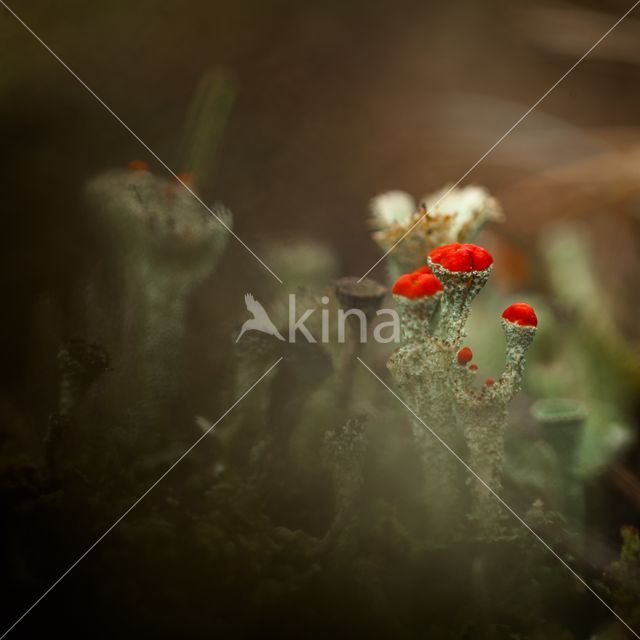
453,214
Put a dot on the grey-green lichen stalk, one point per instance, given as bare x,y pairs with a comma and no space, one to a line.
161,243
343,453
435,375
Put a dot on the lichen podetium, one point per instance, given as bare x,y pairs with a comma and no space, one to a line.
435,374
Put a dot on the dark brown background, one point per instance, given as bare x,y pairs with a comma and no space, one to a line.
336,102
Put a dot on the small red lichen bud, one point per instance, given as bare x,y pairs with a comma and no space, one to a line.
417,285
464,355
138,165
489,382
521,313
473,367
461,257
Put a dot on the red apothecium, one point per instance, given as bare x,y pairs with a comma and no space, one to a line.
521,313
461,257
418,284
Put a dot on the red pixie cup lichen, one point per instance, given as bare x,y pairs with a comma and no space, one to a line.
522,314
417,284
463,270
461,257
464,355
